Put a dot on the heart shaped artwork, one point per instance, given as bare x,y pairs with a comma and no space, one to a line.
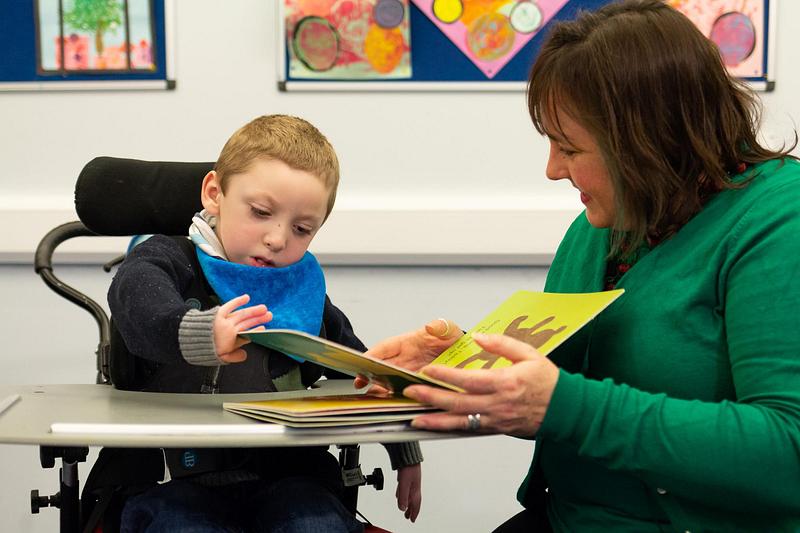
490,32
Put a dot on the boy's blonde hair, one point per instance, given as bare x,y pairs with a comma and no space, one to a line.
285,138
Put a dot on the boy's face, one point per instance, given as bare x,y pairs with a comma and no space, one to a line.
268,215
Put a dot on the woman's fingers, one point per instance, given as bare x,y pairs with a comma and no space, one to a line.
446,422
505,346
455,402
375,389
385,349
477,381
360,381
443,328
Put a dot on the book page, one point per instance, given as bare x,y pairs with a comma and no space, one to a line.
542,320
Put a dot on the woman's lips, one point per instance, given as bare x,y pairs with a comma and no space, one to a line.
585,198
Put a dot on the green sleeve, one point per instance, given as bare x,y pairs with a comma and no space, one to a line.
730,454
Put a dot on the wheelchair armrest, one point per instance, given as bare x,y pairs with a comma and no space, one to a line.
43,264
44,251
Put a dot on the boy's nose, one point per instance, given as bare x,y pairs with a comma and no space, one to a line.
275,240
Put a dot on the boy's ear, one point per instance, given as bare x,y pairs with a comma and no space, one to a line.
210,193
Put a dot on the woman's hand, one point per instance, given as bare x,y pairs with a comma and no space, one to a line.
230,321
409,490
414,349
511,400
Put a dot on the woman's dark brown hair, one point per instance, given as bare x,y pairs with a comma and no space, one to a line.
672,125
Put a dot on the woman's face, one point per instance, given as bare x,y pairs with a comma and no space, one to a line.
575,156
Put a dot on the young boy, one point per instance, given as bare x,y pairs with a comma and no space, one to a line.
271,190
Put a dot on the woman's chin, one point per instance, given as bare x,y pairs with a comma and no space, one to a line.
598,220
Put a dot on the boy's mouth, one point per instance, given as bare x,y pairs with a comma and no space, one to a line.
261,262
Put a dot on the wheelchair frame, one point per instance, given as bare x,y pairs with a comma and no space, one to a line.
67,499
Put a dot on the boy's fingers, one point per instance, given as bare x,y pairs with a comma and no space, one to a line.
247,312
414,509
402,498
233,303
235,356
252,322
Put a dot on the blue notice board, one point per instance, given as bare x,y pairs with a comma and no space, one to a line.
23,45
437,64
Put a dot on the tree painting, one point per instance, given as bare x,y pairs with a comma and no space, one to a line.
98,16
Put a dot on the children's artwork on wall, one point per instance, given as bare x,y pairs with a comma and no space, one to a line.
481,45
94,35
738,27
348,40
51,45
490,32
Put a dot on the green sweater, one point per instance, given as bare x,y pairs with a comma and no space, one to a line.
678,408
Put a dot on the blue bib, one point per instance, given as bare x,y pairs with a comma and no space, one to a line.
295,294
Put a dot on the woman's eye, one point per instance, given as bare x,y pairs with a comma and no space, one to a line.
567,152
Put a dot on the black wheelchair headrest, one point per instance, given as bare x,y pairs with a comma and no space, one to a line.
115,196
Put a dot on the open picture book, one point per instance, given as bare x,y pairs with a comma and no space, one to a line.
543,320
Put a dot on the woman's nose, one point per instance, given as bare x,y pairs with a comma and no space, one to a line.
556,169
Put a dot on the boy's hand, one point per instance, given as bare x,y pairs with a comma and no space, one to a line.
230,321
409,490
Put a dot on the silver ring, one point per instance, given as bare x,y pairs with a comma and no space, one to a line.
474,422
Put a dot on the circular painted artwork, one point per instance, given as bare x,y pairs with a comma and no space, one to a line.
735,36
316,43
448,11
384,49
389,13
490,37
526,17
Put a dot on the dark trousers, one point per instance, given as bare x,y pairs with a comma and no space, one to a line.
290,505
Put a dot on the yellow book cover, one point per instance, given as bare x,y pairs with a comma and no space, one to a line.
330,411
332,405
542,319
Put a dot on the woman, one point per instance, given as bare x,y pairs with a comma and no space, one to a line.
678,408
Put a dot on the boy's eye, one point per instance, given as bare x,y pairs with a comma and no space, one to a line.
302,230
259,212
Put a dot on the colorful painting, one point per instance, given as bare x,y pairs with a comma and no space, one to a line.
95,35
736,26
348,39
490,32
